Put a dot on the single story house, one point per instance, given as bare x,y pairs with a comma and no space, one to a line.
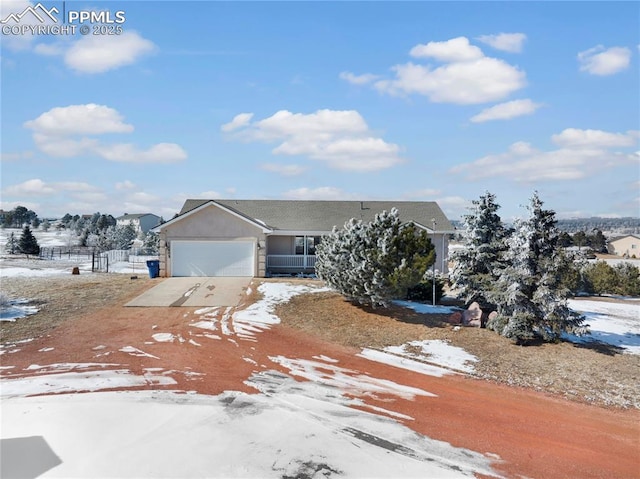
628,246
142,222
265,237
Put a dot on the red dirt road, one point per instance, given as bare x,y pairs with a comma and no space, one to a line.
535,435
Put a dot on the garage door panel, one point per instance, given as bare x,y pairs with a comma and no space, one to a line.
212,258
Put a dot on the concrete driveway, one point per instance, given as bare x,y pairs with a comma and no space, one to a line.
194,292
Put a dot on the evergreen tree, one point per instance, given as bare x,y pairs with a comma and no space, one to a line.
123,236
12,246
372,263
602,278
477,264
151,242
28,243
628,279
532,302
598,242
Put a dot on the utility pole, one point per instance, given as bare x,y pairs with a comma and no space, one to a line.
433,266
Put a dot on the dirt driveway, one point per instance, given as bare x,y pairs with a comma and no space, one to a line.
209,352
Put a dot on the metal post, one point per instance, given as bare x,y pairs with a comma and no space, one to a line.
433,266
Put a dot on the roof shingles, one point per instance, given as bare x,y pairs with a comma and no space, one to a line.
297,215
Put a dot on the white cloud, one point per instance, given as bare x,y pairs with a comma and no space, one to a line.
62,132
37,187
579,157
453,206
211,194
238,121
341,139
601,61
284,170
100,53
89,119
454,50
506,111
467,77
16,156
574,137
49,49
34,187
508,42
320,193
125,185
424,193
128,153
358,79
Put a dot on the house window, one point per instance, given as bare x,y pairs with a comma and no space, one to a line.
306,244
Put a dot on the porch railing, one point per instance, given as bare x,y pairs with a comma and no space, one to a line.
290,261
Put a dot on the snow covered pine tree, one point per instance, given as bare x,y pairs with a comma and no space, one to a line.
372,263
532,303
477,265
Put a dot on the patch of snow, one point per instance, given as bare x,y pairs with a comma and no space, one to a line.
438,352
12,309
69,382
426,308
21,272
67,366
346,380
617,324
261,313
163,337
326,359
99,347
191,341
137,352
45,350
232,435
403,362
210,325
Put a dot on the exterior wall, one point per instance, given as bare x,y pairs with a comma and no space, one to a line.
441,243
281,245
148,221
211,223
627,246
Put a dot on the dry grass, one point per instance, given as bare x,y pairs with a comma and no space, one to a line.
597,374
63,298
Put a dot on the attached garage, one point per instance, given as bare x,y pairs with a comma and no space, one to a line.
213,258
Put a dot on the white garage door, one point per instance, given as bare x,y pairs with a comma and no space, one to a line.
212,258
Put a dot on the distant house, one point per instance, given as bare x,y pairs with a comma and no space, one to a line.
142,222
264,237
628,246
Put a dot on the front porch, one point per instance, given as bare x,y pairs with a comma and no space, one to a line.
290,263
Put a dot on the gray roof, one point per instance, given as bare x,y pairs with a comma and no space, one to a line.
295,215
135,216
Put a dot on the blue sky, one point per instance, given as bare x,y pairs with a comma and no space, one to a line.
326,100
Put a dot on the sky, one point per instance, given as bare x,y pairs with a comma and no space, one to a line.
160,101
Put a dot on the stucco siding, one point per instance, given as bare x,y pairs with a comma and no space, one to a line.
210,224
627,246
280,245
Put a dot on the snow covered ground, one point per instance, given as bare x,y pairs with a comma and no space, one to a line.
617,324
287,429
